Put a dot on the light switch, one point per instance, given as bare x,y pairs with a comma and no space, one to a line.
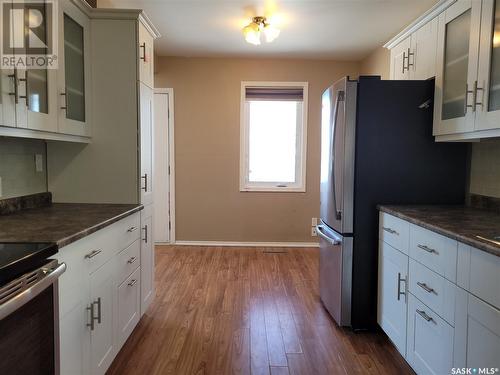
39,162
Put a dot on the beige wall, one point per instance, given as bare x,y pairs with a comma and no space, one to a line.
17,167
209,205
485,168
377,63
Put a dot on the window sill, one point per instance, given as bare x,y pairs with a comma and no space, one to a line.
273,189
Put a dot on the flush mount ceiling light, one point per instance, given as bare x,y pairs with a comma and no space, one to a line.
258,26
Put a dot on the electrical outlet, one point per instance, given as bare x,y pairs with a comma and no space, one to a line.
314,221
313,232
39,162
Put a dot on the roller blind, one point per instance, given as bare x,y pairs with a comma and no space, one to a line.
274,93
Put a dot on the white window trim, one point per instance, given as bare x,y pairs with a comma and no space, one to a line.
246,186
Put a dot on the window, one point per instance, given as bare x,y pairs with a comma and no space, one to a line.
273,136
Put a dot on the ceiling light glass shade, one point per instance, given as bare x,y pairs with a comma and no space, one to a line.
252,33
270,33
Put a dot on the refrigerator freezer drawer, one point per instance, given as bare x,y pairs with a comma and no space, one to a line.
335,274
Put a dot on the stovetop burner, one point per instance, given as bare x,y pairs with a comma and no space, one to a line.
18,258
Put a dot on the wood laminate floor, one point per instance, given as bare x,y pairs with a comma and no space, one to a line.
246,311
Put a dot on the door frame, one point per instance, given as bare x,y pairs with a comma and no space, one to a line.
171,162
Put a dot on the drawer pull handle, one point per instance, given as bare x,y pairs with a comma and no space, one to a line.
132,283
131,260
428,249
93,254
400,293
425,316
425,287
131,229
390,230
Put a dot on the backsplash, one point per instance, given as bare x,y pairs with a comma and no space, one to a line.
485,168
17,167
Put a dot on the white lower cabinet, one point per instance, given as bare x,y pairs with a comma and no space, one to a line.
429,347
100,295
442,325
100,316
147,258
391,312
129,305
483,334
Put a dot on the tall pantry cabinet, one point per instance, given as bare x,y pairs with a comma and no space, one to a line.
117,165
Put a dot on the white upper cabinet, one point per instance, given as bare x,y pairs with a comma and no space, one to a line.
422,58
74,71
415,56
488,78
457,43
146,56
456,68
399,60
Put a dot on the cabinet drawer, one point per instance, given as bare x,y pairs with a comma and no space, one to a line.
436,252
430,340
128,260
127,231
433,290
129,305
394,231
479,273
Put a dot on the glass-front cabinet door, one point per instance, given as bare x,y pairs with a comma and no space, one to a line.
488,80
36,87
74,77
456,67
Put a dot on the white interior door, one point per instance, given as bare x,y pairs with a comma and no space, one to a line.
162,164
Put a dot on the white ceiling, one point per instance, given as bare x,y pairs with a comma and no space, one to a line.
322,29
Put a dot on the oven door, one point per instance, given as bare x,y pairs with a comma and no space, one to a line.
29,322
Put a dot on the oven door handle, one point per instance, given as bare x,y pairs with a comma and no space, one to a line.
27,295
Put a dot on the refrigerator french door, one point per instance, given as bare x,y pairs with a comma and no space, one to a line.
336,195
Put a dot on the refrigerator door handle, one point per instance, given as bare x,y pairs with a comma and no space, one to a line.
340,97
333,239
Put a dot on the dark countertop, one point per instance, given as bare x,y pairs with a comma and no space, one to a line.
61,223
461,223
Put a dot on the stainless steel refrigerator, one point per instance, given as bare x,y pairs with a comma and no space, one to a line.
376,148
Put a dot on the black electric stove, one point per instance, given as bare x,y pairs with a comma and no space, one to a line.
18,258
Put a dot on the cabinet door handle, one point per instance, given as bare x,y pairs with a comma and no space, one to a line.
65,107
423,314
404,59
93,318
25,97
99,310
93,254
90,309
131,229
390,230
427,288
467,92
145,178
476,103
131,260
408,58
143,47
145,239
400,293
427,249
16,88
132,282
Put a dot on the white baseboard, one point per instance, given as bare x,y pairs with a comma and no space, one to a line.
247,244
